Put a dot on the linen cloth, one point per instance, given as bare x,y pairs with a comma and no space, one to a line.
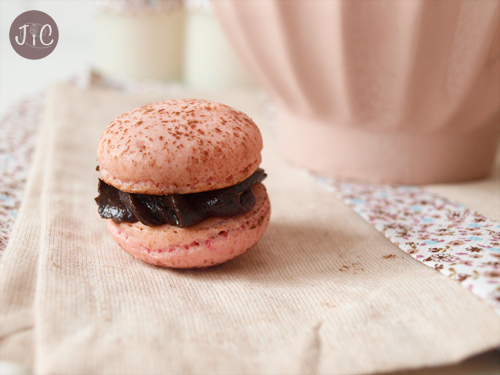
321,293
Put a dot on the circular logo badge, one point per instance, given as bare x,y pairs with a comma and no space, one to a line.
34,35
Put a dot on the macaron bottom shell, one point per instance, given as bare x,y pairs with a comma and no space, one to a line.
211,242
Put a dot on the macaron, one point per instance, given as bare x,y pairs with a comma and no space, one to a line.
181,185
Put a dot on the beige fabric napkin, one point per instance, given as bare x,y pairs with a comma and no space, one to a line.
317,295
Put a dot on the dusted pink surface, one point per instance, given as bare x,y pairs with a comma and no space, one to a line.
208,243
179,147
384,91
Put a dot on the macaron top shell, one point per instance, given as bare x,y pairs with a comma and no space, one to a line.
179,147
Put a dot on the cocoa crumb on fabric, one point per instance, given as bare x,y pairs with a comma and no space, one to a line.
390,256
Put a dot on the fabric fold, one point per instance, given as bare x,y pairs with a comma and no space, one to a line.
19,264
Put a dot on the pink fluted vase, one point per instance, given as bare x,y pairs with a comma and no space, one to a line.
385,91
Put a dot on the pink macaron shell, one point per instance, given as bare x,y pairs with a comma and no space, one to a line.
208,243
179,147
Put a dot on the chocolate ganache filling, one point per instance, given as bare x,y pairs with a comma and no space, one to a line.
182,210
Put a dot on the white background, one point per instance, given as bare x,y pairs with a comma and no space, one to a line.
19,76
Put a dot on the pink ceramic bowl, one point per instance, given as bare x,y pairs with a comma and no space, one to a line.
383,91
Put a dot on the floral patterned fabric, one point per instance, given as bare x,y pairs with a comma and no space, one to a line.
441,233
18,130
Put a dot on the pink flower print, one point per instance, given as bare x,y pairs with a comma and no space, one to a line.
456,215
494,264
474,249
456,243
445,233
492,274
461,277
439,258
436,249
424,227
476,256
